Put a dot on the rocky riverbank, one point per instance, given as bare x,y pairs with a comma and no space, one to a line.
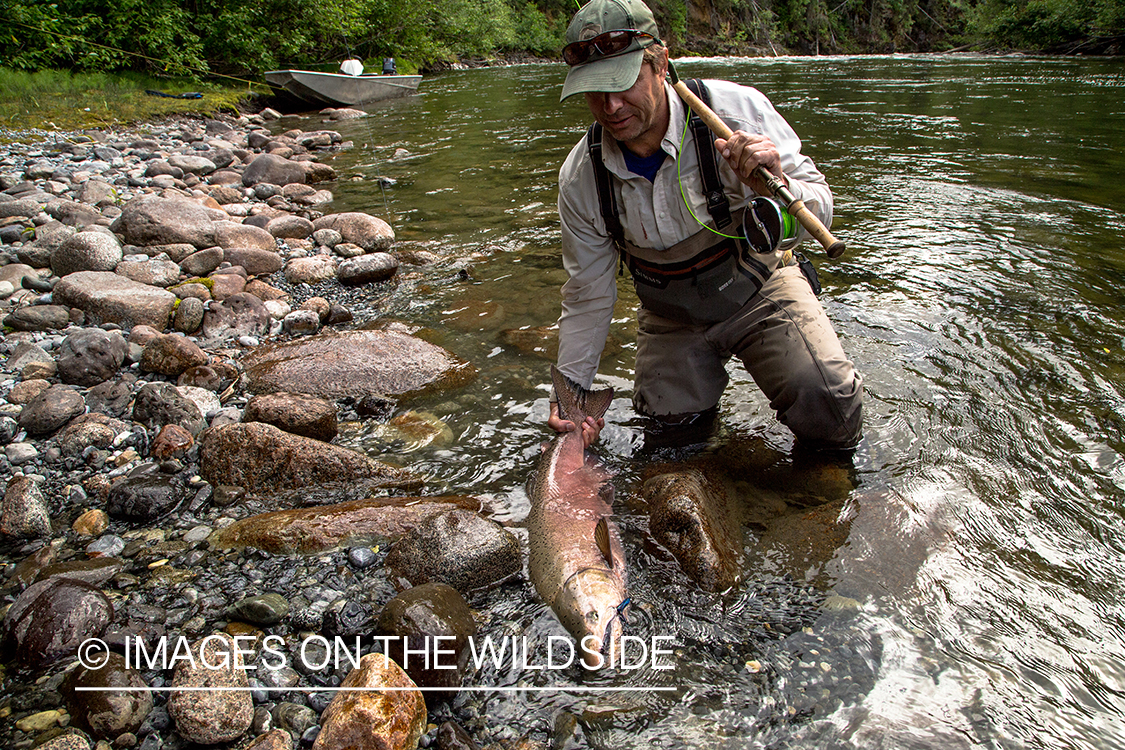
180,345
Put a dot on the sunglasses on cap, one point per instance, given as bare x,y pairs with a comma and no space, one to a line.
606,44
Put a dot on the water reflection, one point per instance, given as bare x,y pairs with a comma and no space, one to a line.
961,584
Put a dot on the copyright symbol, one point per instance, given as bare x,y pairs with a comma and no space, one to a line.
93,653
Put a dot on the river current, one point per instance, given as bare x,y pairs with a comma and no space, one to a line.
959,582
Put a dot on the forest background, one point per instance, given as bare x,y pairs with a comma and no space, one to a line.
246,37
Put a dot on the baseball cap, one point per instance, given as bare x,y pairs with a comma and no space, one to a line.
608,74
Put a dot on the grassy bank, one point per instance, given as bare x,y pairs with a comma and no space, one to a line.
61,100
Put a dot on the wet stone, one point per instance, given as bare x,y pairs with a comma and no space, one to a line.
460,548
105,713
417,616
145,494
266,609
51,618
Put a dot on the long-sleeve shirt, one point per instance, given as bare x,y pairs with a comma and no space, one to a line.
654,214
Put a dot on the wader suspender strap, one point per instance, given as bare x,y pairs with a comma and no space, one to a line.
604,181
717,203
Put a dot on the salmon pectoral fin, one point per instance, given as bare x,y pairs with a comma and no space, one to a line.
601,537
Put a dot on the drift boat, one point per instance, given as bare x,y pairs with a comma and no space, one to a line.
349,88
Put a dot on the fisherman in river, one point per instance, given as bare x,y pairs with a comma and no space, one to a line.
705,294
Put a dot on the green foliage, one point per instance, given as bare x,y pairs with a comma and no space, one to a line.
246,37
1050,25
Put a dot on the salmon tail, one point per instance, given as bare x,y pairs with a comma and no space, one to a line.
575,402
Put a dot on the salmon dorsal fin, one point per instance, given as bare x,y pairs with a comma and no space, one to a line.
575,402
601,537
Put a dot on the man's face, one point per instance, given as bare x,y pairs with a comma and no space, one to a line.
637,115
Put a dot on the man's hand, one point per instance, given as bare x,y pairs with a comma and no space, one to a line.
747,151
591,427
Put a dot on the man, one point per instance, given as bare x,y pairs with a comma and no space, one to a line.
690,322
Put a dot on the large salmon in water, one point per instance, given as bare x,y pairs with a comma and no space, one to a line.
576,560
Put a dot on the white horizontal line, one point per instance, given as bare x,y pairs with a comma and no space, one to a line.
471,689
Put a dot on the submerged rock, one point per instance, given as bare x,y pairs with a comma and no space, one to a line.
691,517
321,528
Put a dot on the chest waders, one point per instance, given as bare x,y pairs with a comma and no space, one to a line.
705,278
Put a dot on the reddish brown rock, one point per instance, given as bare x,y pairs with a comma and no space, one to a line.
297,413
383,719
172,441
169,354
261,456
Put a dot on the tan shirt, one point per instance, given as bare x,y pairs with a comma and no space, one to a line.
654,214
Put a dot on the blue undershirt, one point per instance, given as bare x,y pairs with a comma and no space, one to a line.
645,166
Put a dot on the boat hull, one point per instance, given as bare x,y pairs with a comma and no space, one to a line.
338,89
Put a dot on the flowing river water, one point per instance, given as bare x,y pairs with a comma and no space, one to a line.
958,583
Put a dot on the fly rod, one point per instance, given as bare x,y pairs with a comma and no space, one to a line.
795,206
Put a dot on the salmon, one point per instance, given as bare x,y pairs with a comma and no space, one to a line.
576,560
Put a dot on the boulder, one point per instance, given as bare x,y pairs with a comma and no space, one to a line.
145,494
86,251
354,363
367,269
91,429
51,409
290,227
416,617
348,524
114,699
156,272
189,315
311,270
90,356
237,315
272,169
38,318
108,298
234,236
153,220
24,512
199,165
52,618
169,354
369,232
262,457
462,549
159,404
256,261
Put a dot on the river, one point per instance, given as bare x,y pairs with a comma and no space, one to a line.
958,583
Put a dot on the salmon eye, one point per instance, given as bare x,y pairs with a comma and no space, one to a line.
592,617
